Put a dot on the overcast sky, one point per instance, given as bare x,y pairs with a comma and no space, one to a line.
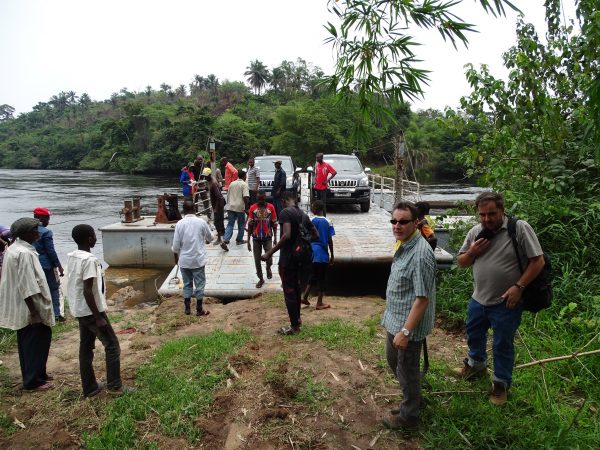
101,46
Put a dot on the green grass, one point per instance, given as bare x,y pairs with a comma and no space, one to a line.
339,335
174,388
550,406
531,419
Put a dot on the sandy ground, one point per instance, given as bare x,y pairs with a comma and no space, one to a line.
255,411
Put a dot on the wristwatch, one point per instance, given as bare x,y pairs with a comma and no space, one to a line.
405,332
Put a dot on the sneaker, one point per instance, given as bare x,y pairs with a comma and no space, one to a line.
467,372
96,391
224,246
240,242
396,422
122,390
60,319
498,393
288,331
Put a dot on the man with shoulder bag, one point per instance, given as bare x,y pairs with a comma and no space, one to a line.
499,285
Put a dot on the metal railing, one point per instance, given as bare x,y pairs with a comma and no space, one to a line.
383,190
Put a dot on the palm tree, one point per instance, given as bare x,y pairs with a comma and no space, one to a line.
257,75
212,84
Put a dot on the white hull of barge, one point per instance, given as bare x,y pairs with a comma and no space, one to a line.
138,244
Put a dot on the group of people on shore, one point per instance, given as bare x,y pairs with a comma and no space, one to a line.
30,304
501,271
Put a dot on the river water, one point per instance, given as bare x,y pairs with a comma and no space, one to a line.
96,198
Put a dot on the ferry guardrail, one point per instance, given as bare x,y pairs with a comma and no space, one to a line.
385,188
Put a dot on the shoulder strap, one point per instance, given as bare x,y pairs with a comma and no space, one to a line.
512,232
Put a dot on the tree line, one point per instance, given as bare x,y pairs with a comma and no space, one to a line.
284,110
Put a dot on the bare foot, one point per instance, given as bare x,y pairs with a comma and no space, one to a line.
323,306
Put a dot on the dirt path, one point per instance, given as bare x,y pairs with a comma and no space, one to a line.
259,410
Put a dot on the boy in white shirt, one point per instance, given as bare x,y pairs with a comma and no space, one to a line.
87,303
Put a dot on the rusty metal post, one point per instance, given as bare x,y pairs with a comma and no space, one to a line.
399,159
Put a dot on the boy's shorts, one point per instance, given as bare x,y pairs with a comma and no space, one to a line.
319,275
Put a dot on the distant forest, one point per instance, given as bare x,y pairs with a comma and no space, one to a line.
284,110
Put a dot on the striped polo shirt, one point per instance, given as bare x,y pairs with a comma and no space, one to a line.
412,275
252,176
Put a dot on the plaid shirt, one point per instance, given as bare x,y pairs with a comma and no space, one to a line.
412,275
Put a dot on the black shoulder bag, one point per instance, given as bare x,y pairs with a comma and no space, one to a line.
538,294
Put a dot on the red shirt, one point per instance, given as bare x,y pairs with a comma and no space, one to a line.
231,174
262,220
322,171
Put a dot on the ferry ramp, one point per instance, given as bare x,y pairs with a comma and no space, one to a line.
360,239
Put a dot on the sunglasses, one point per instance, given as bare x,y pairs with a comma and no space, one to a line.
401,222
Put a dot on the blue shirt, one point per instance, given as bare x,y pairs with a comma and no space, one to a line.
320,247
184,179
45,247
412,275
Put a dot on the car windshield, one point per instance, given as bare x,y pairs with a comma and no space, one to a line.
344,164
265,164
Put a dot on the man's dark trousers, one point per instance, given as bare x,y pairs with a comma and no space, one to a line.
33,343
291,292
322,195
88,332
404,364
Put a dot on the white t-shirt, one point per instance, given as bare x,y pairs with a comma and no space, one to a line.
81,266
189,241
235,196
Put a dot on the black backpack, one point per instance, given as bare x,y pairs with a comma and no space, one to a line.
302,250
538,294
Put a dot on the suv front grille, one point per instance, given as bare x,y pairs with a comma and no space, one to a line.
342,183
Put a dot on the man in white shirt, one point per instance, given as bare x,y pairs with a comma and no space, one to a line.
26,304
85,287
238,202
192,233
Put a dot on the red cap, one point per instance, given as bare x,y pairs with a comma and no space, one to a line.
41,212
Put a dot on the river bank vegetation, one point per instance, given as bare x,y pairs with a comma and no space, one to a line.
159,130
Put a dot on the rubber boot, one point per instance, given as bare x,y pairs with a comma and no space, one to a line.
187,302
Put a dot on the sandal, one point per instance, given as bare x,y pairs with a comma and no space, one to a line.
96,391
288,331
305,302
260,284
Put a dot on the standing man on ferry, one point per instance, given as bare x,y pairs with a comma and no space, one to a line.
323,173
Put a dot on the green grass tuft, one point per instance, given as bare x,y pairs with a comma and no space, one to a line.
175,387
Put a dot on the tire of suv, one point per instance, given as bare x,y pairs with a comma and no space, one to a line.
364,207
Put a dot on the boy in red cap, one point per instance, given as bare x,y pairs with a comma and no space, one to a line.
48,258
